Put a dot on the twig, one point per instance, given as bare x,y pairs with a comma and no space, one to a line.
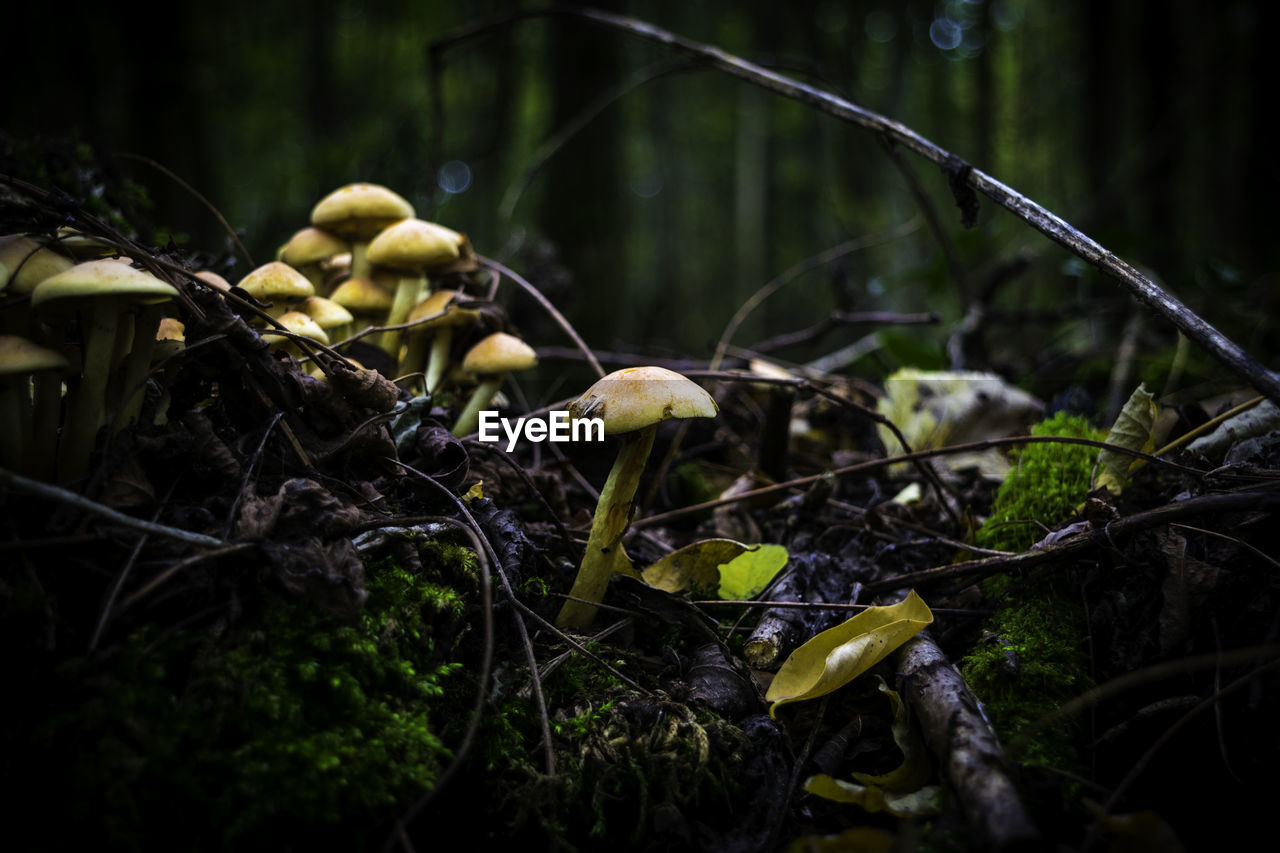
231,232
844,318
958,733
873,464
78,501
549,308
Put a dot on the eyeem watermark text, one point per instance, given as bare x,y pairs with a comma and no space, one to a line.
558,427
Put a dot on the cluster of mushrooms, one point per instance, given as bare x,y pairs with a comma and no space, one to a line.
83,330
366,262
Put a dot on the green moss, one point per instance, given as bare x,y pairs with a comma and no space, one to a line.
1047,483
293,726
1030,658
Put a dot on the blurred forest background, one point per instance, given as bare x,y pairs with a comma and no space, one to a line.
670,193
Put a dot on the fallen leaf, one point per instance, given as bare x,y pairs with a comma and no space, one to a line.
921,803
838,655
1133,429
693,564
747,574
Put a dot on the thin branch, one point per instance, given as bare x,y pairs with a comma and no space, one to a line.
549,308
55,493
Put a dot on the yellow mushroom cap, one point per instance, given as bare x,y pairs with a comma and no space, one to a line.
299,324
310,246
637,397
360,210
413,244
171,330
19,355
24,263
212,279
362,296
499,353
276,281
447,301
325,312
98,279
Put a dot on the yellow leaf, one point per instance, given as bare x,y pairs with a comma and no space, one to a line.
1134,429
916,768
694,564
921,803
475,493
838,655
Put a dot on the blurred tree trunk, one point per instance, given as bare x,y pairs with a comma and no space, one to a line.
582,201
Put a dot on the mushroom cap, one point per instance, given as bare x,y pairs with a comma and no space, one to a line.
299,324
311,245
276,281
325,312
499,353
214,280
413,244
447,301
24,263
362,296
171,330
360,210
96,280
19,355
637,397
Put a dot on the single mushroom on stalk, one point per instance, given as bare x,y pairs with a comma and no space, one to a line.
278,284
432,362
414,248
631,403
491,360
308,249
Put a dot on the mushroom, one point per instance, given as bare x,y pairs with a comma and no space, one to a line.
357,212
329,315
24,263
171,339
491,360
299,324
367,302
99,294
277,283
415,247
308,249
630,402
446,303
20,360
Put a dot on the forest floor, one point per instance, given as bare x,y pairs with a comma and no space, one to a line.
283,612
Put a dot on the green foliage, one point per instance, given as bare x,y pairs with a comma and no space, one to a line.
293,725
1047,483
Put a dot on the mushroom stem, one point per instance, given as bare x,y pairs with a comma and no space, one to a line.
613,516
360,266
15,420
469,419
86,401
438,358
137,364
407,295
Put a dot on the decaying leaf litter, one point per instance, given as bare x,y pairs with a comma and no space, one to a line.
314,496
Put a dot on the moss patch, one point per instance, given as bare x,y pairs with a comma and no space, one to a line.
1030,657
289,728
